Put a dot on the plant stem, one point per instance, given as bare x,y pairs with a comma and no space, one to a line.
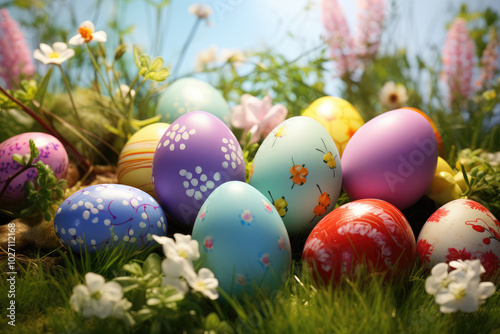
44,83
66,83
50,130
184,48
12,177
98,69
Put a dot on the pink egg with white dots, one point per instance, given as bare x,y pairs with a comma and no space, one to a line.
194,156
107,215
51,152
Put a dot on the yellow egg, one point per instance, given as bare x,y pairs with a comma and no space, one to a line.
136,158
444,187
338,117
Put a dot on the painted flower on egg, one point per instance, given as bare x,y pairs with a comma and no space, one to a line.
246,217
264,260
208,244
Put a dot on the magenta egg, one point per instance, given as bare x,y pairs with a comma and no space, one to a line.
392,157
51,152
194,156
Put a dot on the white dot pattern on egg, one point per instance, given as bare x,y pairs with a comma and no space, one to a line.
184,176
107,214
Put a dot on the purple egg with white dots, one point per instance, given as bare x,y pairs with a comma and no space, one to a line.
109,214
196,154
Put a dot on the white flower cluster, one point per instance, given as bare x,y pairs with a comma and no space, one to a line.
460,289
105,299
179,264
100,299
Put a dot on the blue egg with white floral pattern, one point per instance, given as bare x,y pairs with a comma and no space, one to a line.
243,240
107,215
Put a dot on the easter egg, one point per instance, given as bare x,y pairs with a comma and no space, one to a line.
135,164
444,187
196,155
392,157
51,152
338,116
439,140
462,229
368,234
189,94
298,169
108,214
242,240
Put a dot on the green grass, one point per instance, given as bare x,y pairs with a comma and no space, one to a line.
368,304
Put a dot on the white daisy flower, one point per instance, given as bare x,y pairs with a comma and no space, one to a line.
87,34
57,54
393,95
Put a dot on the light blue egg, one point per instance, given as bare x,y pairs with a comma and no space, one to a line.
108,214
242,240
298,169
189,94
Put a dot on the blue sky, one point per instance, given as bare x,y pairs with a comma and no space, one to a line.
252,25
257,24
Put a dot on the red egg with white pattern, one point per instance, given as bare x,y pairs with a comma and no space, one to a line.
462,229
369,233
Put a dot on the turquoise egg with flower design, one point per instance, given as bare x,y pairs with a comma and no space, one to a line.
190,94
243,240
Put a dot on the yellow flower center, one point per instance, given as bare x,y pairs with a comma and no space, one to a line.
201,285
86,33
460,293
97,295
183,253
54,54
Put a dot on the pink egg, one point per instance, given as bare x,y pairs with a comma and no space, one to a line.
460,230
51,152
392,157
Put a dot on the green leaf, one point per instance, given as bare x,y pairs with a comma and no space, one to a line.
157,63
33,150
159,75
145,61
212,321
134,268
152,264
144,122
137,57
143,71
18,158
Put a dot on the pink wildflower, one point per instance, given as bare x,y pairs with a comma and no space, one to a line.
15,56
489,61
339,37
371,15
259,117
458,60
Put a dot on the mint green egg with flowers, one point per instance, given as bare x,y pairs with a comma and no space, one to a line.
243,240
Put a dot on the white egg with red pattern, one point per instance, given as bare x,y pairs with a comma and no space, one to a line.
462,229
